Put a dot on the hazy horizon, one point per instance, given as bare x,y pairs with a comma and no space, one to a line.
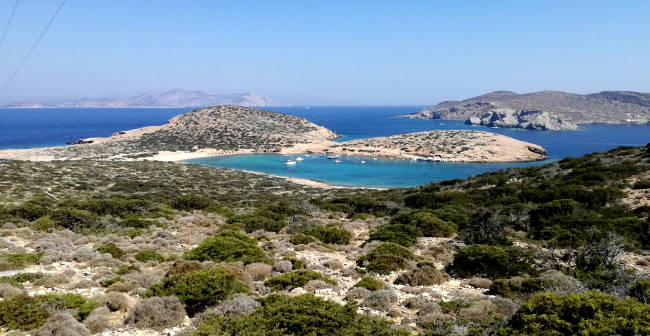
325,53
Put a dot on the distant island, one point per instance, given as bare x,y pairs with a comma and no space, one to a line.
229,129
172,98
544,110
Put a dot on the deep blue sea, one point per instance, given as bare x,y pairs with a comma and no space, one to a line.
24,128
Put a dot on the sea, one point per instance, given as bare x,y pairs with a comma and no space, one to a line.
27,128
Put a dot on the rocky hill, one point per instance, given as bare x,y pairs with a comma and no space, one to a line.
172,98
609,107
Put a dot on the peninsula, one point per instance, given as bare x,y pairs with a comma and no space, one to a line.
544,110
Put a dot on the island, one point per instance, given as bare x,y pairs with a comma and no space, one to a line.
544,110
229,129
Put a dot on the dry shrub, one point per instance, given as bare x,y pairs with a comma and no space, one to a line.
314,285
480,312
429,308
414,302
480,283
98,320
116,301
506,307
143,279
56,280
422,276
156,313
123,286
283,266
183,266
560,283
82,254
62,324
258,271
7,291
237,306
381,300
357,293
432,319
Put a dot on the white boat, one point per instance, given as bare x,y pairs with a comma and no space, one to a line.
290,163
299,159
337,161
363,161
333,157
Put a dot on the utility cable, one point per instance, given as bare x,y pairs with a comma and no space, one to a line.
32,49
11,17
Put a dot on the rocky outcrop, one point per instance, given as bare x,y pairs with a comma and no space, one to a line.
609,107
527,119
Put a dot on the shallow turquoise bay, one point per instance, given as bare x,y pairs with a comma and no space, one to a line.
350,171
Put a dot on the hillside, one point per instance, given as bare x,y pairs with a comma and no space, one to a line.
153,248
172,98
609,107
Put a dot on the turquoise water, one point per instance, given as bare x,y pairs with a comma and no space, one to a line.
351,172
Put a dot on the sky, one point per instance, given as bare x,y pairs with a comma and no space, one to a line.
326,52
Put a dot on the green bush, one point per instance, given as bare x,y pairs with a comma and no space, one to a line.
199,289
17,280
111,249
301,238
385,258
139,223
330,234
190,202
111,281
303,315
126,269
295,279
227,246
490,262
641,291
591,313
428,223
26,312
516,288
147,255
405,235
21,259
74,219
370,283
44,223
642,184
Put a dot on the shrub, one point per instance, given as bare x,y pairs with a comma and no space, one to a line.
382,300
301,238
258,271
126,269
110,281
116,301
98,320
239,305
21,260
62,323
156,313
386,258
641,291
138,223
516,287
425,275
405,235
190,202
295,279
271,217
370,283
44,223
641,184
302,315
329,234
111,249
25,312
227,246
74,219
147,255
17,280
490,262
428,223
7,291
199,289
590,313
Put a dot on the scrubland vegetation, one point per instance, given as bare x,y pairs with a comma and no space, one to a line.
163,248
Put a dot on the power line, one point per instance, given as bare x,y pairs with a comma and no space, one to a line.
11,17
32,49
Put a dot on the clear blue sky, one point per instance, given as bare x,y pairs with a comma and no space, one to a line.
328,52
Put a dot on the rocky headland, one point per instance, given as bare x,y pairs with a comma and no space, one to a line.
544,110
229,129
